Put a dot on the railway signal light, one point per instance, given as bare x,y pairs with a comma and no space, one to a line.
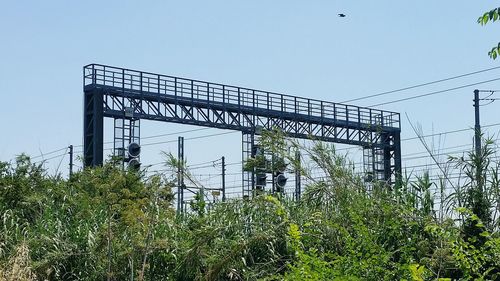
280,181
134,150
134,164
260,179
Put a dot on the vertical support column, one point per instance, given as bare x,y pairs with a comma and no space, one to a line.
387,154
477,140
126,131
297,175
223,179
382,160
93,126
392,157
180,175
368,164
273,173
398,171
119,140
248,177
477,124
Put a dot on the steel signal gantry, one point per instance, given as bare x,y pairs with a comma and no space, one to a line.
110,91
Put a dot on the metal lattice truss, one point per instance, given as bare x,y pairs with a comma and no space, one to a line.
110,90
243,119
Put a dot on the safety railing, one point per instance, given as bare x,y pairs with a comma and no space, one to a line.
214,93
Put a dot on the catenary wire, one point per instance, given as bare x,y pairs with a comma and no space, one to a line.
421,85
434,92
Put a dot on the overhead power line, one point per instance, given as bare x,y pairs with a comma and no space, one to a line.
435,92
223,133
146,144
50,158
422,84
161,135
430,135
451,132
48,153
176,133
192,138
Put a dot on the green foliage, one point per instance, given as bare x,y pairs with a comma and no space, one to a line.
70,227
198,204
479,194
491,16
242,239
106,223
424,200
477,260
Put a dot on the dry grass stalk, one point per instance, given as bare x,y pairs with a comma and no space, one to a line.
18,267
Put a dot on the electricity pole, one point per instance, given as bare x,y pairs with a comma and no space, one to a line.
180,175
70,160
477,126
297,175
223,179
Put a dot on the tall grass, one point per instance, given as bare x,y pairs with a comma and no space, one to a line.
18,266
108,224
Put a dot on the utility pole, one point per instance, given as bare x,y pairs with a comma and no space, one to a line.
477,126
70,160
273,172
297,175
223,179
180,175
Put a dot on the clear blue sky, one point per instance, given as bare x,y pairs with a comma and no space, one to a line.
296,47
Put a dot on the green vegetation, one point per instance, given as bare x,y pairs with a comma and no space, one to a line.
491,16
104,223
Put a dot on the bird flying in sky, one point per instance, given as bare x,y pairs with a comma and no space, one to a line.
342,15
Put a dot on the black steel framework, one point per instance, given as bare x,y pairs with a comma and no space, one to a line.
126,131
109,91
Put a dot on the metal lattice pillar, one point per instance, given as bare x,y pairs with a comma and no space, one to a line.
391,147
387,157
382,160
126,131
396,156
248,177
119,138
374,163
93,126
368,164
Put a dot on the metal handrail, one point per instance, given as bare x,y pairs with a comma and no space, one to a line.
127,79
